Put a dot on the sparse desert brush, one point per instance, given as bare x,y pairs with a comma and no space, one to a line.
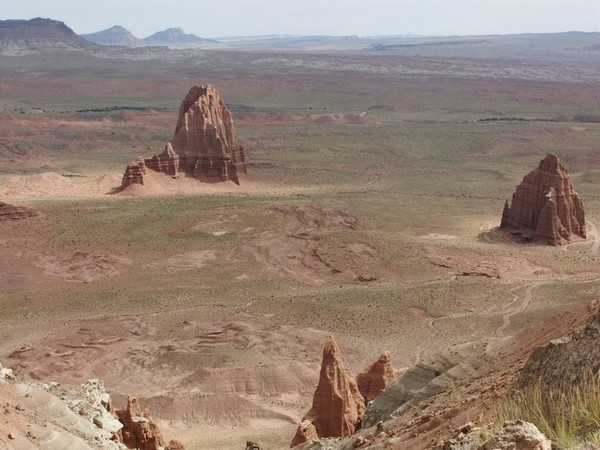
569,416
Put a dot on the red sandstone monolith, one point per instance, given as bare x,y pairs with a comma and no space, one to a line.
203,147
545,206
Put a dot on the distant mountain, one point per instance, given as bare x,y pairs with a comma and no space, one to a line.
116,35
175,37
38,34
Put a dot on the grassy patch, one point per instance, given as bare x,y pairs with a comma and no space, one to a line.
569,416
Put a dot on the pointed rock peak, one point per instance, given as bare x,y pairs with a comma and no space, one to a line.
376,377
545,206
331,348
385,358
195,97
200,90
551,163
338,407
133,407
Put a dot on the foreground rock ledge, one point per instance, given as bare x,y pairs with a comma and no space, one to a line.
545,206
204,146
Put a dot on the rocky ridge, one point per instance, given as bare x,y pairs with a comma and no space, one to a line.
203,147
53,416
567,360
545,206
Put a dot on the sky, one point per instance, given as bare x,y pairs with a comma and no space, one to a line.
218,18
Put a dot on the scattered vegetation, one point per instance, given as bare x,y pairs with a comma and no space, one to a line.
570,416
114,108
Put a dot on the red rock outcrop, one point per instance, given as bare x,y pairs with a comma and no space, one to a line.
140,431
375,378
204,145
134,172
11,212
545,206
305,434
337,407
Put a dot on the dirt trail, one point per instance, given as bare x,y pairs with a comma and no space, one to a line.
519,304
369,183
593,232
522,306
434,337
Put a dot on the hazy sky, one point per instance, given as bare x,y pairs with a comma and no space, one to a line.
214,18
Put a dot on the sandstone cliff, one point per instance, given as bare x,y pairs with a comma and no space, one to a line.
338,407
203,147
376,377
545,206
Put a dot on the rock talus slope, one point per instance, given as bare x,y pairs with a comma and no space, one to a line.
203,147
337,407
545,206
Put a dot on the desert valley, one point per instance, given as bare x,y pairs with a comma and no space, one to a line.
193,226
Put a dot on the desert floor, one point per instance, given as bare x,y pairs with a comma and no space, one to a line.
370,210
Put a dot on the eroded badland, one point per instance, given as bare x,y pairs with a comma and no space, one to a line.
376,181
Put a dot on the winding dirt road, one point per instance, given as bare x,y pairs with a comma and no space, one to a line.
523,304
593,232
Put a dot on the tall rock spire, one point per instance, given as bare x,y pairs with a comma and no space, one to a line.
337,407
545,206
204,145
